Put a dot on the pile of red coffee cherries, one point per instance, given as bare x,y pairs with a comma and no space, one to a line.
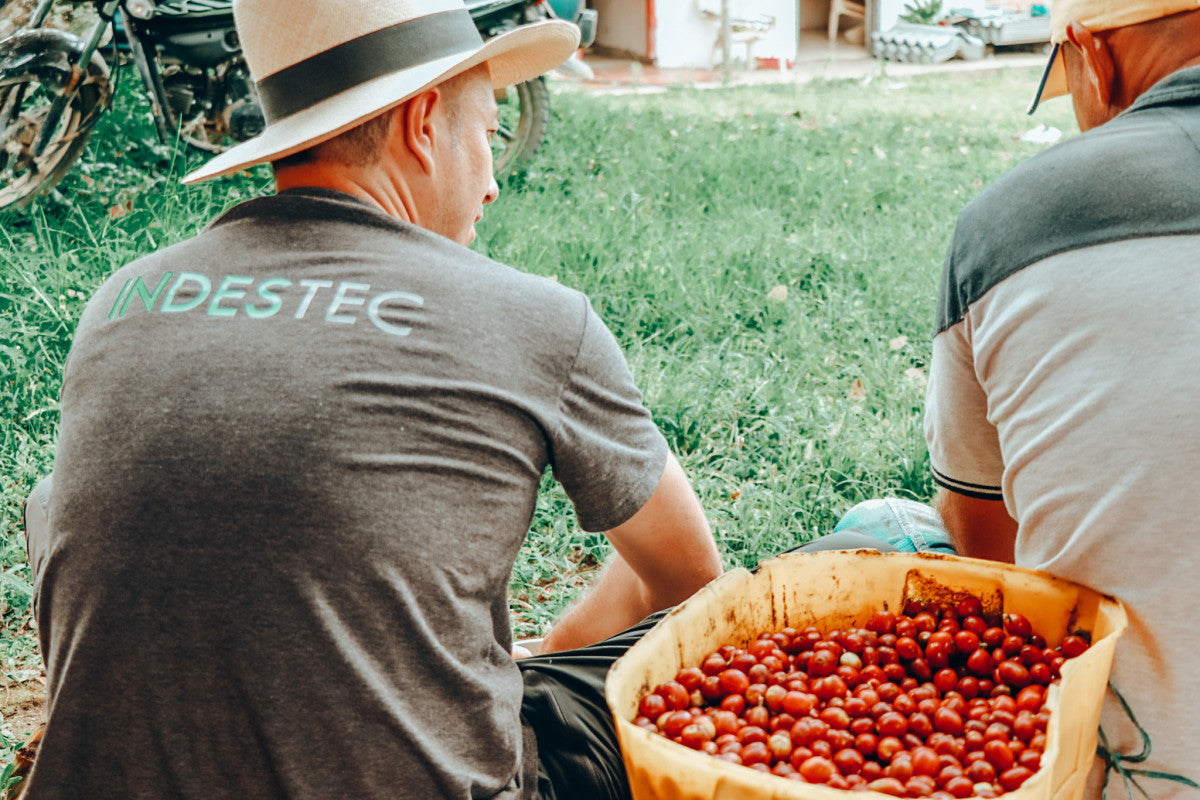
939,701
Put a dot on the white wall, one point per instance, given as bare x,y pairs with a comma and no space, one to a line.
889,12
687,38
621,26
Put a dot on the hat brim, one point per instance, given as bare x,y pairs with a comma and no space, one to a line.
1054,80
513,57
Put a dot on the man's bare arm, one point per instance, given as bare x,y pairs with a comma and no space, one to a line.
978,528
665,553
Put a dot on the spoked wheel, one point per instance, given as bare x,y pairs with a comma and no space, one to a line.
524,115
31,161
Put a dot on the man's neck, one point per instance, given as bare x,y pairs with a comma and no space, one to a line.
1147,53
374,186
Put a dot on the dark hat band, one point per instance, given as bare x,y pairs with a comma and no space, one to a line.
382,52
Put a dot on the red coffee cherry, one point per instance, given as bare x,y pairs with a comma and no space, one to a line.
1017,625
1073,646
817,770
675,696
734,681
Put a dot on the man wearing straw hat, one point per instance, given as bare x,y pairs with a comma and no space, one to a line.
299,453
1061,411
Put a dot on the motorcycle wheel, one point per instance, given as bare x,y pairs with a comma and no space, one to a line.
524,115
24,106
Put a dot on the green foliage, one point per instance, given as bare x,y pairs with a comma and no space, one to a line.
769,260
9,783
767,256
924,12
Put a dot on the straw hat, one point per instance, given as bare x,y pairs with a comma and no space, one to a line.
1095,15
324,66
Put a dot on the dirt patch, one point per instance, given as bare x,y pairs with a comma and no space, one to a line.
24,708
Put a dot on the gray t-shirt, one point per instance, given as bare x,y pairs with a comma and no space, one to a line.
298,456
1064,382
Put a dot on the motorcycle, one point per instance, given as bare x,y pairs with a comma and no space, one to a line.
525,107
54,84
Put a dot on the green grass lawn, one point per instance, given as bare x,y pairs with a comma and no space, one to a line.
768,257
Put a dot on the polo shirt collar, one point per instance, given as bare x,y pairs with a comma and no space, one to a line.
1178,88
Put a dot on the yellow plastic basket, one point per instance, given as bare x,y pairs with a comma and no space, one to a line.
840,589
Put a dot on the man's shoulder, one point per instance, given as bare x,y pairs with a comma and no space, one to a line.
322,217
1126,179
1095,170
269,235
476,281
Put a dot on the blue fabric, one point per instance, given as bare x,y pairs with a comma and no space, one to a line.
906,525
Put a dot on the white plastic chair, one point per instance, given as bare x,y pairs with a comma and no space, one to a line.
745,28
844,8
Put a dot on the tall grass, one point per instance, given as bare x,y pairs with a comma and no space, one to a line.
767,256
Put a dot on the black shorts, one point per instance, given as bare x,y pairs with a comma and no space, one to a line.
564,707
565,711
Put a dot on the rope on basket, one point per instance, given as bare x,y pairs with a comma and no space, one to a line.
1115,762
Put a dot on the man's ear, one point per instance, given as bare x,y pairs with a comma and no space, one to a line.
1097,60
416,126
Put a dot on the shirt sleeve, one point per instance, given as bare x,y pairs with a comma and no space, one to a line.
964,446
607,452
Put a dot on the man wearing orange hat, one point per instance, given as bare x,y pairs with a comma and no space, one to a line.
299,453
1061,410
